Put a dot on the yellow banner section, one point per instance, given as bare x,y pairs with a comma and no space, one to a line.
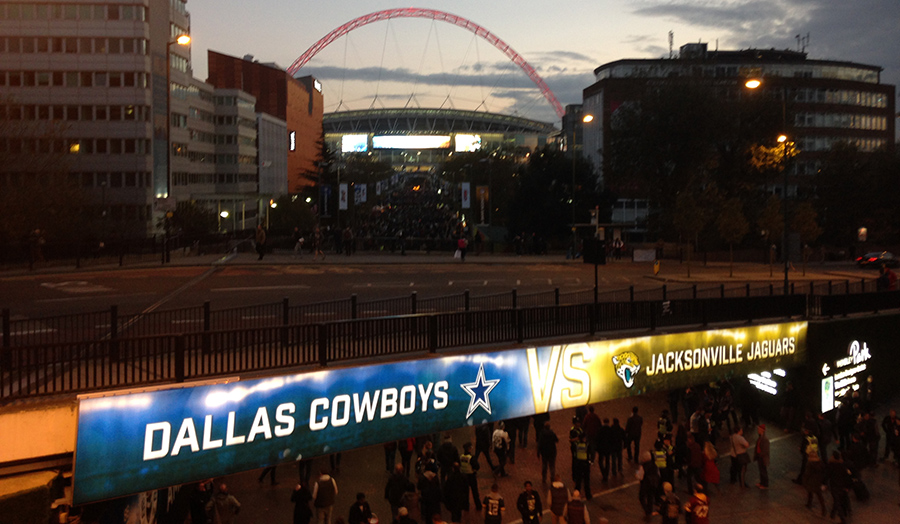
582,373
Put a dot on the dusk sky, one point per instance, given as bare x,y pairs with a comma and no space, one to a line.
423,63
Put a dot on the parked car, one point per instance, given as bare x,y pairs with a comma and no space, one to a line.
877,258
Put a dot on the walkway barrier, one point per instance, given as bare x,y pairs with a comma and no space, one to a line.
116,362
80,327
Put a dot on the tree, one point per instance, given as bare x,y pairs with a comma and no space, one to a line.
291,211
803,222
688,220
733,227
193,219
771,222
543,199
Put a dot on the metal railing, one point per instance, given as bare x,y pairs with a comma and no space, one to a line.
114,362
110,323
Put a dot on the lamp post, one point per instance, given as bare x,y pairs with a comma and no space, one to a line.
181,40
585,119
755,83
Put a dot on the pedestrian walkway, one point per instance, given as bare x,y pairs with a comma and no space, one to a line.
364,471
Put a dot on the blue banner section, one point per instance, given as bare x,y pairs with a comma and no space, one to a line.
136,442
133,442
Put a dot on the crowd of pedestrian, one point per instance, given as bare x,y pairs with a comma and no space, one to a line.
430,476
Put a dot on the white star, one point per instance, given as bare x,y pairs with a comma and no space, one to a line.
479,391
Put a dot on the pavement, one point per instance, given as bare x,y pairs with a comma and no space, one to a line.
671,271
363,470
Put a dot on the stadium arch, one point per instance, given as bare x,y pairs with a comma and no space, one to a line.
433,14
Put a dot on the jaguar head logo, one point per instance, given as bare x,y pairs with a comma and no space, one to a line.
627,366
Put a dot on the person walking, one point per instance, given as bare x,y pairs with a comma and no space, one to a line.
200,497
529,505
840,481
430,494
633,427
360,512
616,442
324,492
223,506
581,467
546,450
648,474
575,511
394,489
604,449
493,506
317,239
456,493
761,456
301,498
670,505
695,462
469,467
558,497
483,435
500,442
739,457
447,455
891,426
462,246
298,242
698,506
814,480
260,241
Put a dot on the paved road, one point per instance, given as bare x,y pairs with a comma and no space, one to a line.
242,280
363,470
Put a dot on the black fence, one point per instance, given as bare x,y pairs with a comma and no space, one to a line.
80,327
115,362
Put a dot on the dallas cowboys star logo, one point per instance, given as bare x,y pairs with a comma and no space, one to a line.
479,391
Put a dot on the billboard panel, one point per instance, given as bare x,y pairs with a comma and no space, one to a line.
411,142
134,442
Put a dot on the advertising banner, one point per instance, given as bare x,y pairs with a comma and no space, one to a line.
466,196
360,193
134,442
342,197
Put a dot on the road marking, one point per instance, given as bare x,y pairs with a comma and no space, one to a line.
256,288
32,332
75,299
482,283
254,317
189,321
384,285
76,286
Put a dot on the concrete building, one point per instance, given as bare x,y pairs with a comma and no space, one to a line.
825,102
89,80
297,102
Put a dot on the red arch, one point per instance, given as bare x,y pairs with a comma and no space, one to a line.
413,12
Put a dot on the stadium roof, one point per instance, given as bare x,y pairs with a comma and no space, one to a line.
419,120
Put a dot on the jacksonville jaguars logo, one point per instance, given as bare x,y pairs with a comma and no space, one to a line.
627,367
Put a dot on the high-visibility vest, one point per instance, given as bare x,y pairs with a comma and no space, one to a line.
659,457
581,451
465,464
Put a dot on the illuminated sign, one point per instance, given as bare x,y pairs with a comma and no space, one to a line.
132,442
411,142
293,140
354,143
845,379
467,143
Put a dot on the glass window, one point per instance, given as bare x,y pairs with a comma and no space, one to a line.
129,113
58,112
72,113
87,79
87,113
115,113
99,12
127,12
57,45
112,13
115,146
87,179
71,79
85,12
15,44
100,46
13,12
70,12
100,79
130,179
71,45
128,79
115,79
114,45
100,113
28,78
43,78
128,46
28,44
43,113
85,46
41,11
27,11
43,45
29,112
115,179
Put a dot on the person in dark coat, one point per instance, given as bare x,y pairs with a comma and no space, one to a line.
456,493
814,479
430,495
633,428
394,489
360,512
529,505
839,483
604,449
483,435
198,501
649,483
301,498
616,442
547,442
446,455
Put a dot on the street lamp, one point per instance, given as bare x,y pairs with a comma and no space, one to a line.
182,40
585,119
755,83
